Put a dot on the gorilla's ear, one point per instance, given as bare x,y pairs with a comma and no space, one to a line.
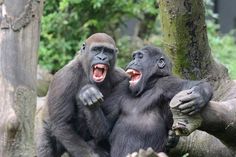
116,50
161,63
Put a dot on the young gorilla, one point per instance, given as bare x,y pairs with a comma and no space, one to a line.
89,78
145,115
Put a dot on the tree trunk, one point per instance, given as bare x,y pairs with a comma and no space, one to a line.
185,40
19,41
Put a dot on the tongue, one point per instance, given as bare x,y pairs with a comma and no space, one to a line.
98,72
135,77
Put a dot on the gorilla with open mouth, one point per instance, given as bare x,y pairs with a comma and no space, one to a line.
145,117
75,108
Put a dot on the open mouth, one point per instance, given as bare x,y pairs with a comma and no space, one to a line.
134,75
99,72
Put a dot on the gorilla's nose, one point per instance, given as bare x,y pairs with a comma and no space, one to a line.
102,57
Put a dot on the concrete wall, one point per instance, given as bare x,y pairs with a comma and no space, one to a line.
227,14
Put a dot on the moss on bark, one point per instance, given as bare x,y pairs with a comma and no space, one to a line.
185,39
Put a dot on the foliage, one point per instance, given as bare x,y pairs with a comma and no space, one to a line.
67,23
223,47
126,46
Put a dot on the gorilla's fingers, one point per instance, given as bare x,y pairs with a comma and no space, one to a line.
186,105
129,155
80,97
97,92
192,113
83,99
171,133
141,152
150,151
100,95
94,99
135,154
162,154
100,100
172,140
88,99
188,97
188,110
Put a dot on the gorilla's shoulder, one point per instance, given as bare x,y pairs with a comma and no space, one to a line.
119,74
69,73
120,71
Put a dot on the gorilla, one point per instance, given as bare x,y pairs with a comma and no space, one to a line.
145,117
75,101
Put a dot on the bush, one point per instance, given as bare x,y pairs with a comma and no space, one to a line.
67,23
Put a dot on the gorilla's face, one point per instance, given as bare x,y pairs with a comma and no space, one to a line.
103,59
147,65
98,57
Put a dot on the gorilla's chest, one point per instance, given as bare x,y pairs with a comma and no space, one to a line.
143,111
150,99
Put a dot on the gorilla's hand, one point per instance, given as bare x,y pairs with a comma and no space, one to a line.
172,141
192,102
146,153
89,95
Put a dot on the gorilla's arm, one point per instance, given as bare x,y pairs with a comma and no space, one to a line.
101,119
199,94
99,124
96,121
61,108
89,100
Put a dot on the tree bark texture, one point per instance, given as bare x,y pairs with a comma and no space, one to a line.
19,41
219,119
201,144
185,40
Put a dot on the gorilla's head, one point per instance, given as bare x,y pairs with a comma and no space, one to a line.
99,52
148,64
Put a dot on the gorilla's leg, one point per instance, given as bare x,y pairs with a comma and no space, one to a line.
98,148
47,145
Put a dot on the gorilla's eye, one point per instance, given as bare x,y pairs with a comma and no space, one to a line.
108,50
140,55
97,49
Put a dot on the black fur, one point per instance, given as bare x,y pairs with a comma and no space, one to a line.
69,118
145,115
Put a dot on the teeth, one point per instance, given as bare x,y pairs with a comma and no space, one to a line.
101,66
131,71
